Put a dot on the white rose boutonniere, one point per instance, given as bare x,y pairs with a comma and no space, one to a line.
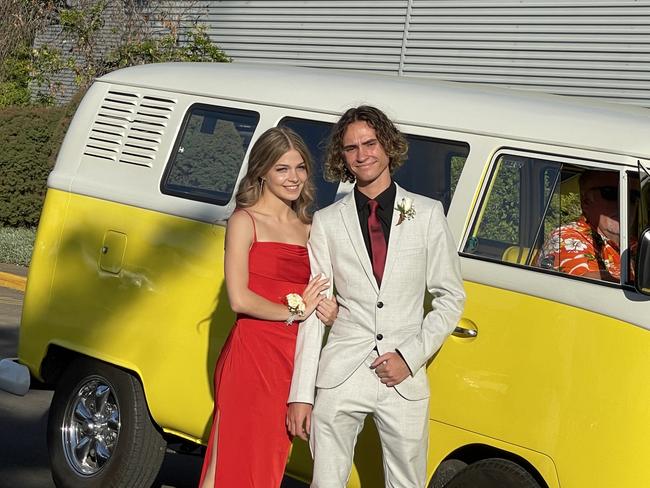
406,209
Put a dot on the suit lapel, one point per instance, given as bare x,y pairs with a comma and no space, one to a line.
350,218
395,237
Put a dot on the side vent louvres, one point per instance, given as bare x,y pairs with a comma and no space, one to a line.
128,128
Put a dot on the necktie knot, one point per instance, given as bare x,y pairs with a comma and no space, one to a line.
373,206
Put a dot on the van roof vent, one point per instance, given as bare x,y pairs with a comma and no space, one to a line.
128,128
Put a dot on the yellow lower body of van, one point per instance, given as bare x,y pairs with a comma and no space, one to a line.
126,312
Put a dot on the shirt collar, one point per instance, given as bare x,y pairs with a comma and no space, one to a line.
582,220
385,199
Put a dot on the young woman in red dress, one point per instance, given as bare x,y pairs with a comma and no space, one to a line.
265,261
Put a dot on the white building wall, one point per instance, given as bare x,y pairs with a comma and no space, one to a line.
593,48
586,48
589,48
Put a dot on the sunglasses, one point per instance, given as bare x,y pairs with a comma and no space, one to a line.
610,193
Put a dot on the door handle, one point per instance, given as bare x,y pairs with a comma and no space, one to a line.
466,329
463,332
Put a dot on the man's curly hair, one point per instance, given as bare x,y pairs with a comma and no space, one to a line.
391,139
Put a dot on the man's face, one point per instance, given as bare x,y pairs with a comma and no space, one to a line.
600,204
364,155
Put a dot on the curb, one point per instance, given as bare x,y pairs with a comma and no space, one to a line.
15,282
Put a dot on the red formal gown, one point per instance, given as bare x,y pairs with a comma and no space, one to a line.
253,376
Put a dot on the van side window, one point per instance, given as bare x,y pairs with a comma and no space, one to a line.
550,215
433,167
315,134
208,153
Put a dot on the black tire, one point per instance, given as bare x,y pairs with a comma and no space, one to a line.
99,432
493,473
445,472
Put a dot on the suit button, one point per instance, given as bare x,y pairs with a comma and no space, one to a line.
380,304
379,337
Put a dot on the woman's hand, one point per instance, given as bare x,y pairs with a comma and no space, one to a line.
312,295
327,311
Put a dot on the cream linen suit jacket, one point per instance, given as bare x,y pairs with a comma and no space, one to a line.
421,256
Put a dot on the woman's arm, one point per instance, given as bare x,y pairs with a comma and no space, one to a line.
239,238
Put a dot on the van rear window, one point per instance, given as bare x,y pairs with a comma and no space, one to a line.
208,153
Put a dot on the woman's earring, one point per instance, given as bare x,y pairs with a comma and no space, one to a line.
261,183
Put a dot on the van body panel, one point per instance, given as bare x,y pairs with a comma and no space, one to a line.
34,332
164,316
444,439
546,393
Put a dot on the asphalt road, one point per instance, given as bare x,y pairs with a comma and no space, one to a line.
23,451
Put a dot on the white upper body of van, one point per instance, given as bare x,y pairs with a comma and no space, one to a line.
154,99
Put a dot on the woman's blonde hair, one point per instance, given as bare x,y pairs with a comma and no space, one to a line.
264,154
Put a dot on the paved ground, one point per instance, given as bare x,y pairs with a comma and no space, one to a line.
23,452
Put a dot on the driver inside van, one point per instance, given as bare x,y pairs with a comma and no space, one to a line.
589,246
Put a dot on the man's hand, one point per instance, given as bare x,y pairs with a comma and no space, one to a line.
391,368
327,310
299,419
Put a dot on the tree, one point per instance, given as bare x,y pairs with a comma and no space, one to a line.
103,36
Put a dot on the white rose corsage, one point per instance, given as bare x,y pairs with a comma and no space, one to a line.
406,209
296,306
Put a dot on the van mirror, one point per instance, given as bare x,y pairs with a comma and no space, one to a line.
643,264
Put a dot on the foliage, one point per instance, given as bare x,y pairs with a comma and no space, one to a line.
21,20
16,245
135,39
564,208
138,33
166,48
457,165
82,25
14,81
31,138
209,157
501,216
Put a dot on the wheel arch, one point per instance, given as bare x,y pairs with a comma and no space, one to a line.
472,453
59,356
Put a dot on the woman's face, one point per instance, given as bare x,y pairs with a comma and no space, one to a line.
287,176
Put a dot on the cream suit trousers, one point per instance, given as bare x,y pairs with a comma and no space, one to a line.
338,417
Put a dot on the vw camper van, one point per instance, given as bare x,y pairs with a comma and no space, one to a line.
544,383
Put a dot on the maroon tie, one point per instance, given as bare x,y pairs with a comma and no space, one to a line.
377,242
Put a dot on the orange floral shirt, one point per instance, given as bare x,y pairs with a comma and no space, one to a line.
571,249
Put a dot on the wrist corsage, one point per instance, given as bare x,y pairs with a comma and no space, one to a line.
406,210
296,306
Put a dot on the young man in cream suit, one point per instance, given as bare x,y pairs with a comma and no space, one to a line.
382,248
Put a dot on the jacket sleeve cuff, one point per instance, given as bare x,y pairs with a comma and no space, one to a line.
404,359
411,352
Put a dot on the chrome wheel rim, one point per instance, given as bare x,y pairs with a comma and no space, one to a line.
91,426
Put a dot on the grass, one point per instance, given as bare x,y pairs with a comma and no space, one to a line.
16,245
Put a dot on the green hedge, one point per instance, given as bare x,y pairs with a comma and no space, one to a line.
16,245
31,137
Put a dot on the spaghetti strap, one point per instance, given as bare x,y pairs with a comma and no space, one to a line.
253,219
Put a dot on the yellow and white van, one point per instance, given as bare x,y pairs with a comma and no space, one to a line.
545,382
